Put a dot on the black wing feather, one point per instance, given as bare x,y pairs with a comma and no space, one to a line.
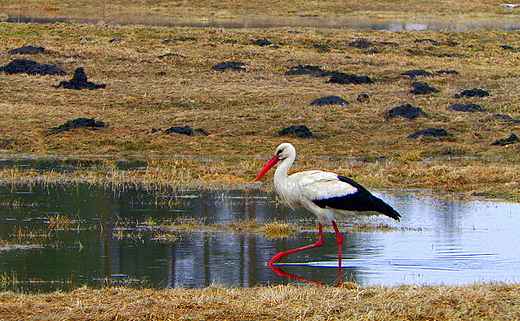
361,201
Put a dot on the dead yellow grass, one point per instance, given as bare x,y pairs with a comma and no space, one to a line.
351,302
243,111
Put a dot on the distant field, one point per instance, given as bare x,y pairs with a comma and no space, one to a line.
229,9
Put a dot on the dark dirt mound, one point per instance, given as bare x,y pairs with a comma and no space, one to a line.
389,43
185,130
360,43
27,50
330,100
421,88
77,123
430,41
171,55
363,98
469,108
446,72
31,67
307,70
342,78
262,42
231,65
337,77
406,111
475,92
416,73
79,81
363,43
506,141
431,132
506,118
301,131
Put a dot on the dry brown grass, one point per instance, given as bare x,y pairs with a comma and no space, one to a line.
351,302
244,111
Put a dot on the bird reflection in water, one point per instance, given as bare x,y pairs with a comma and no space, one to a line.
278,270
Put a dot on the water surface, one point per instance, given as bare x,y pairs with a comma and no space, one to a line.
354,22
437,241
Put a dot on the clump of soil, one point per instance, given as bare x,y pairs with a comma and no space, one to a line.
468,108
31,67
77,123
342,78
304,70
506,141
301,131
262,42
360,43
309,70
416,73
337,77
174,55
185,130
27,50
330,100
446,72
406,111
506,118
427,40
430,132
475,92
231,65
363,98
318,72
79,81
363,43
421,88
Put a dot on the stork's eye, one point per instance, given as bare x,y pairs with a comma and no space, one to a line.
280,151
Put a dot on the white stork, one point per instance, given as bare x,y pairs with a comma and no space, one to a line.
329,196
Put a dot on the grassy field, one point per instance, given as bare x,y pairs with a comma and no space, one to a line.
158,77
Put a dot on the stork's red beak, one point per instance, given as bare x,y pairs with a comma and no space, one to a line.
267,167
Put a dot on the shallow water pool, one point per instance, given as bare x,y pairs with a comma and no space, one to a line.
87,235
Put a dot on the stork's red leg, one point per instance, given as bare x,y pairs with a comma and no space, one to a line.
339,239
319,243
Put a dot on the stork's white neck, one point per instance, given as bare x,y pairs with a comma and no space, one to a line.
285,187
282,171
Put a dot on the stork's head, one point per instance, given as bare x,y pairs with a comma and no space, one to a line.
285,150
282,152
